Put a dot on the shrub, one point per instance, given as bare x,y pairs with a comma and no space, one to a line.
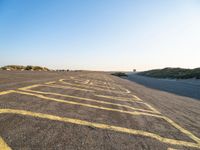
119,74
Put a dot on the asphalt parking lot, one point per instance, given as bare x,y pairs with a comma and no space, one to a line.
91,110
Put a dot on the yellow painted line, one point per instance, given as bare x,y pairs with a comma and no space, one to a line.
68,87
79,82
116,98
62,81
101,126
188,133
130,100
152,108
6,92
137,98
87,81
52,82
88,105
3,145
30,87
100,86
97,86
54,86
75,79
91,100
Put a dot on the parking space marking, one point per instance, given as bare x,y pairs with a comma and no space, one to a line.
87,105
6,92
117,98
137,98
92,100
54,86
149,106
101,126
91,83
30,87
52,82
3,145
188,133
85,86
86,82
131,100
68,87
148,134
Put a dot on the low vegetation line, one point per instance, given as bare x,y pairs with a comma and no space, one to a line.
119,74
173,73
18,67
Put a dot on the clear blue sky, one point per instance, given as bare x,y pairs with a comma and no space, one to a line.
100,34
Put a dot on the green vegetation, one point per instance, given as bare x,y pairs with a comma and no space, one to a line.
173,73
119,74
17,67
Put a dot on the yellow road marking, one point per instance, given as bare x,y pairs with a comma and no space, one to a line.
89,99
171,149
188,133
6,92
79,80
30,87
54,86
50,82
131,100
85,86
150,107
116,98
68,87
101,126
3,145
91,83
137,98
101,86
87,81
88,105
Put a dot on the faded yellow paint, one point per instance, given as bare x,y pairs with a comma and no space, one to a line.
88,105
130,100
91,100
188,133
101,126
30,87
165,140
85,86
137,98
3,145
152,108
52,82
6,92
116,98
54,86
171,149
69,87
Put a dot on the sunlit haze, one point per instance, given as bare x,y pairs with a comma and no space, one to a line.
100,34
